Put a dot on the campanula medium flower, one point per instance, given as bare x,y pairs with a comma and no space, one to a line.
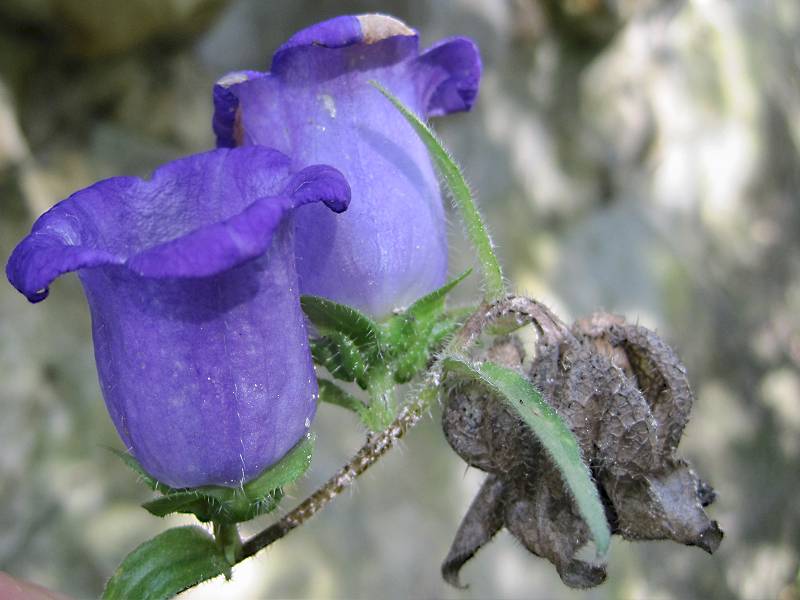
199,338
316,104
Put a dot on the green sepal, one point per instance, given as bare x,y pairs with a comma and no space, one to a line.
555,436
344,358
377,357
418,332
382,407
181,502
331,317
410,362
166,565
322,352
332,394
287,470
224,504
475,228
448,325
375,415
134,465
432,306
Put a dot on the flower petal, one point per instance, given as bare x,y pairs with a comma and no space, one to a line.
308,55
220,246
208,380
320,183
200,341
341,32
216,247
42,256
113,222
337,32
452,69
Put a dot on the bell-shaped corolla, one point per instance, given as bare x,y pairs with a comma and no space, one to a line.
199,338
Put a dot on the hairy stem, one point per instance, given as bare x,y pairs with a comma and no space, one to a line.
375,447
227,538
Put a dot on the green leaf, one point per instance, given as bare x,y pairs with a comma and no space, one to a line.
331,317
331,393
473,223
166,565
551,431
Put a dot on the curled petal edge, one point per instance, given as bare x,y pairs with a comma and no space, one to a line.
42,257
455,78
47,252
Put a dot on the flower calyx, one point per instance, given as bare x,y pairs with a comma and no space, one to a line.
378,356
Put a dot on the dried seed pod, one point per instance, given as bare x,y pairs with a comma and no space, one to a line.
486,434
625,395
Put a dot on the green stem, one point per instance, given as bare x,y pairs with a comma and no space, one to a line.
473,222
227,537
381,410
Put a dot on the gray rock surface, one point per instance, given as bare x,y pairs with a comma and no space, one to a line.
637,157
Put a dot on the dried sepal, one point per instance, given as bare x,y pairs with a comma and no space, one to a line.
483,519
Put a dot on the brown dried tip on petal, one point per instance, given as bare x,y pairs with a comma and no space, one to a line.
238,128
626,396
376,27
227,81
230,79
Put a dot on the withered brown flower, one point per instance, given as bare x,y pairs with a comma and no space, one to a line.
625,395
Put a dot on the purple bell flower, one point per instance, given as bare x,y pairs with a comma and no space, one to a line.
199,339
317,105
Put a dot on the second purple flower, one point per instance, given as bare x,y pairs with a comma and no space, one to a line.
317,105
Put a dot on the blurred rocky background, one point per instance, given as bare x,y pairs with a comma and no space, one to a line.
639,156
